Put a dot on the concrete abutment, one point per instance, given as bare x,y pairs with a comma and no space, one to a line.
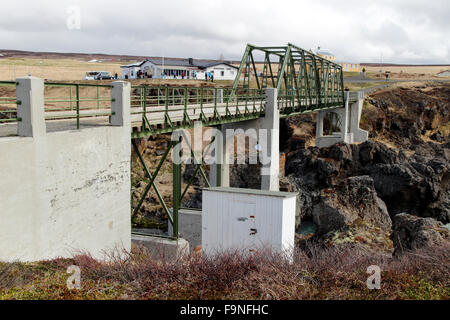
67,192
349,119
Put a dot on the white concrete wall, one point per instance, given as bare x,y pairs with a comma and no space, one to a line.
65,192
128,71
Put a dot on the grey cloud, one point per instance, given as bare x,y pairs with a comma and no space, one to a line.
414,31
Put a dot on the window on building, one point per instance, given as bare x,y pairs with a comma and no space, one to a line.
222,73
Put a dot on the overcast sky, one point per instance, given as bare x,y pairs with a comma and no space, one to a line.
402,31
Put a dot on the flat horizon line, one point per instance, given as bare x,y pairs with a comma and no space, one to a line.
93,55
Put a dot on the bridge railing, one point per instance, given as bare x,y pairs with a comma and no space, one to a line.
76,101
294,101
173,107
61,101
8,102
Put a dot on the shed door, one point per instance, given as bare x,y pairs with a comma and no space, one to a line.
243,224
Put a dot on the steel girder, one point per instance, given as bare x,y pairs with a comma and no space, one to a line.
305,81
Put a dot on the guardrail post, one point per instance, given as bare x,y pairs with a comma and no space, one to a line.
219,97
271,123
121,104
31,110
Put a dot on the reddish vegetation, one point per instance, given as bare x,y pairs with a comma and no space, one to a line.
317,273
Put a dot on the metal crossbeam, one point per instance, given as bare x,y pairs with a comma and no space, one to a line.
302,78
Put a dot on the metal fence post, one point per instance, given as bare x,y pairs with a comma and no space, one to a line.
77,93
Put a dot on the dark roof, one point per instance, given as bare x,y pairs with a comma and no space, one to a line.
219,62
136,64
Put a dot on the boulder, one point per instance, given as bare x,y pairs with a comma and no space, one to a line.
412,233
353,199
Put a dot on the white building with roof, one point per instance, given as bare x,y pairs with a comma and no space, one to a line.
170,68
327,54
346,66
444,74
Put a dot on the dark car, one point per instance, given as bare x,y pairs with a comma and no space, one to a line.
104,75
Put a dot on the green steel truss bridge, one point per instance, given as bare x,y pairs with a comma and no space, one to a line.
304,81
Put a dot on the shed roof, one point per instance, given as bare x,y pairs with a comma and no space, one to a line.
253,192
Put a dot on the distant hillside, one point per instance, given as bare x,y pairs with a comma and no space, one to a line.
4,53
402,65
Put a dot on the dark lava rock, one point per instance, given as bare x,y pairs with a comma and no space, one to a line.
412,233
418,184
353,198
437,137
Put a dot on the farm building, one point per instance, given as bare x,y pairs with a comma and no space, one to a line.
444,74
346,66
327,54
175,69
349,67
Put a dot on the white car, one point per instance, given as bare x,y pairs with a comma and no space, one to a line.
98,75
91,75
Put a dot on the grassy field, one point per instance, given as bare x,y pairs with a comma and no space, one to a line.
74,69
407,72
429,70
53,69
356,86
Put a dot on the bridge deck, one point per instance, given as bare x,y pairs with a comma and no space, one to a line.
156,116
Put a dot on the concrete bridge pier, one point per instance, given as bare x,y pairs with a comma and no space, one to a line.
349,119
68,191
263,132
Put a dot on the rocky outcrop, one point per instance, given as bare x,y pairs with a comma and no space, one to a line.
412,233
403,115
416,184
354,198
352,213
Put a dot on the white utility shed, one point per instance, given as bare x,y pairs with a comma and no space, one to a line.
248,220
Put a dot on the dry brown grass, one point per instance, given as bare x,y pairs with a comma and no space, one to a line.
428,70
53,69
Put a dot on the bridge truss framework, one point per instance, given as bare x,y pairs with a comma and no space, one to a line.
305,83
